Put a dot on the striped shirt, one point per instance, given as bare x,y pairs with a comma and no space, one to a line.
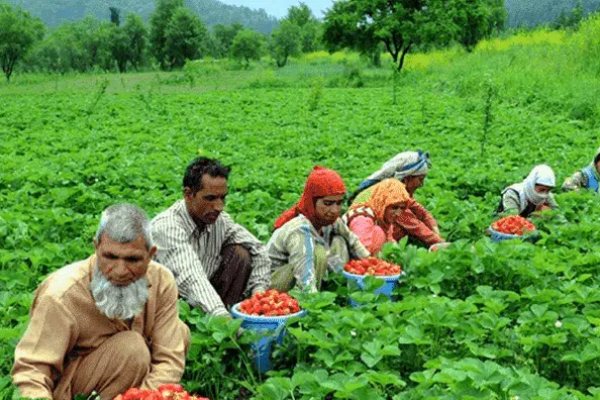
194,255
294,243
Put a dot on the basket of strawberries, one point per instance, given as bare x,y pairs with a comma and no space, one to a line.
170,391
356,271
511,227
266,312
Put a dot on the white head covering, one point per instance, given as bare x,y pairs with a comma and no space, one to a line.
403,164
540,175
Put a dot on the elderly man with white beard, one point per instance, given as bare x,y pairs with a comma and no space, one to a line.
107,323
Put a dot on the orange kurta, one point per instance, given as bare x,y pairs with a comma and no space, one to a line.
65,326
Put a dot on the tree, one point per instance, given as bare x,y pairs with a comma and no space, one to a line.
476,19
310,28
300,15
285,42
224,35
18,32
94,37
119,47
137,36
158,24
402,24
183,37
115,15
246,46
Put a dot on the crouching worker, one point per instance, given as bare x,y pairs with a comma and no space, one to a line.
410,168
107,323
531,195
216,262
311,236
587,178
376,221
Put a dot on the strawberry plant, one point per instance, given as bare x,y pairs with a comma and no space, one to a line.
510,320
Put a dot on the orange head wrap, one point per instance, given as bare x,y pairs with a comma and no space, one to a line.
320,183
383,194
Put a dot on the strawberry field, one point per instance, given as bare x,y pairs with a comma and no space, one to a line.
510,320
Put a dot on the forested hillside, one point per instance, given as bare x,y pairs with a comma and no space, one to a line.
530,13
211,12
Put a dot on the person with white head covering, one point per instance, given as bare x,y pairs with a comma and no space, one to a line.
410,168
587,178
530,195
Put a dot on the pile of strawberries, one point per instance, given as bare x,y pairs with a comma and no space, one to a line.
513,225
165,392
372,266
270,303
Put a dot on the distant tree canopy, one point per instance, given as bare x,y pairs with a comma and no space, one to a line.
223,38
247,45
137,37
88,44
285,42
184,35
403,24
160,19
528,13
299,32
212,12
18,32
310,27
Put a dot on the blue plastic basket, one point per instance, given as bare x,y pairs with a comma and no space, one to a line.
386,289
272,329
499,236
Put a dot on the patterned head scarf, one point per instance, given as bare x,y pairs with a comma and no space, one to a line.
540,175
320,183
384,194
408,163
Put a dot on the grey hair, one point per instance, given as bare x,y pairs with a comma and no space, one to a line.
124,223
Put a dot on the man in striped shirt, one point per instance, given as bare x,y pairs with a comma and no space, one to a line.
216,262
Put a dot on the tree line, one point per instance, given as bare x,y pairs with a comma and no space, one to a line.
176,34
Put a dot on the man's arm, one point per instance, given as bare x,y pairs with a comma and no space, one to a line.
39,356
260,275
176,253
167,352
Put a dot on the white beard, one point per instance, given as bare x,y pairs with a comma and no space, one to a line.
118,302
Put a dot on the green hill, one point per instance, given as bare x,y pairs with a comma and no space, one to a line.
528,13
212,12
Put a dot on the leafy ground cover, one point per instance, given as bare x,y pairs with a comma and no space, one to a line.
477,320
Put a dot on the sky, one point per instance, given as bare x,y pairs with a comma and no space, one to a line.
278,8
